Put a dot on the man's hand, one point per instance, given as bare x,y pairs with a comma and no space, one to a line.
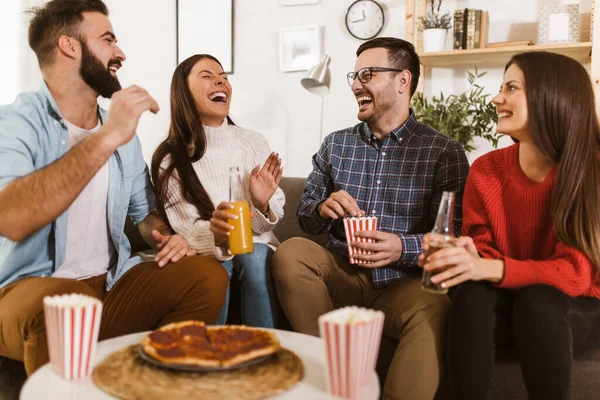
264,181
387,248
126,108
172,248
339,205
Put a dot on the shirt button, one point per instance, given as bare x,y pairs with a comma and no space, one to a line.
373,212
383,154
55,122
62,142
378,182
400,139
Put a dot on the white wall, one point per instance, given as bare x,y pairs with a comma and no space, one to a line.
146,33
509,20
264,99
272,102
9,70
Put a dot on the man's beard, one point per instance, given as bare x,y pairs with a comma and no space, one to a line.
380,106
96,75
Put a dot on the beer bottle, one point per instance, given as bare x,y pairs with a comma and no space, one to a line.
442,236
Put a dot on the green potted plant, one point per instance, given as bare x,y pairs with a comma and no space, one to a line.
435,27
461,117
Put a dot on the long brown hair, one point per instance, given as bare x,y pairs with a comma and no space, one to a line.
564,126
185,133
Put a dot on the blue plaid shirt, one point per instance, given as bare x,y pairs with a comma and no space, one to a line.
399,179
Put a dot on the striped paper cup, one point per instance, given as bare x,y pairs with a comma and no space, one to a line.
352,336
353,225
72,326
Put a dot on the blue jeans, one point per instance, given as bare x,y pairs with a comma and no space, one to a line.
259,301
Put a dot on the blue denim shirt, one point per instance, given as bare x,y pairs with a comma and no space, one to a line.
33,135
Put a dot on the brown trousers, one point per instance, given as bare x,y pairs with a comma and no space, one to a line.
145,298
311,281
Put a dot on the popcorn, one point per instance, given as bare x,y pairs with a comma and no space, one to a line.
353,225
352,336
72,327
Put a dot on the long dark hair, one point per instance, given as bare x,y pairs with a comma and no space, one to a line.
186,134
564,126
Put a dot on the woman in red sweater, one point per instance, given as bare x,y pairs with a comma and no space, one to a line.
531,226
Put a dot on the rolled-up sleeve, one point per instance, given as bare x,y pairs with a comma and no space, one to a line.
18,147
142,201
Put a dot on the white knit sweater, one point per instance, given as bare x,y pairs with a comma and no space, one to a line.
227,146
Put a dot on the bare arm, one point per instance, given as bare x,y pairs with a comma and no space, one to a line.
171,248
33,201
153,222
29,203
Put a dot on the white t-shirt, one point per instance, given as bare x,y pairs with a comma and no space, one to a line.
89,246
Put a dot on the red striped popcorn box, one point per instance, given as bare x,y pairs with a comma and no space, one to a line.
72,326
353,225
352,336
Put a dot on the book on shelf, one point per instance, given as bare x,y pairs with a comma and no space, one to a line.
471,21
483,31
470,29
477,29
464,28
458,29
513,43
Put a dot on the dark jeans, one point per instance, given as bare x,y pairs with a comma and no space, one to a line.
549,329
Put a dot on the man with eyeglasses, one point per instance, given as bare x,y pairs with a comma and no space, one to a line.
394,168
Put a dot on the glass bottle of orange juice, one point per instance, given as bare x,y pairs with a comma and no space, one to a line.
240,237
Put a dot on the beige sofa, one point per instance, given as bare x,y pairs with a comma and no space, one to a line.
507,377
507,383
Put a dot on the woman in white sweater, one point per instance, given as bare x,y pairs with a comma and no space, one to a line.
190,170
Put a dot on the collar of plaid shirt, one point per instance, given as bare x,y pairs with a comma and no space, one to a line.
399,180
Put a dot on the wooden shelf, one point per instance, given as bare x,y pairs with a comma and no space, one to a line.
501,55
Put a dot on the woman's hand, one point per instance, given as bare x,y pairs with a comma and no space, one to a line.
264,181
463,241
464,261
218,223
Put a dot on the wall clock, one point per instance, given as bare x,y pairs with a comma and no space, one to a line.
364,19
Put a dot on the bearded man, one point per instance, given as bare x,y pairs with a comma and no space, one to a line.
70,175
394,168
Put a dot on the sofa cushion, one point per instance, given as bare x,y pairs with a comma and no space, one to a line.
288,227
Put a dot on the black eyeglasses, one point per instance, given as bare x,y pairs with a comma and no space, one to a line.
364,75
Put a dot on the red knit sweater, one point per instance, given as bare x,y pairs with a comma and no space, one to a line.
508,217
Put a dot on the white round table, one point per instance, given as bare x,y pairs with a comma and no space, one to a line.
45,384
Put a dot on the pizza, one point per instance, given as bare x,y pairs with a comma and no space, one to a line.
193,343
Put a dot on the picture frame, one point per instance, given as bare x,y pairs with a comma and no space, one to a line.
300,48
298,2
559,24
198,20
